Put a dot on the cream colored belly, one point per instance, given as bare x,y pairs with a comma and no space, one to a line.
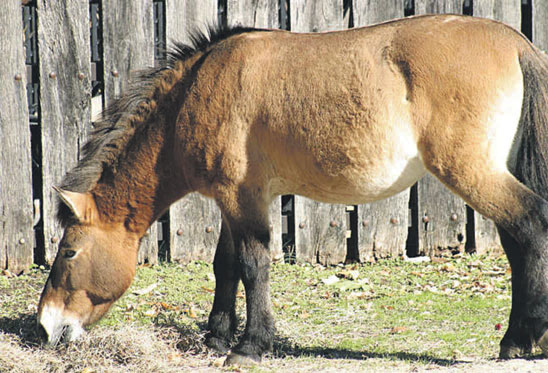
370,178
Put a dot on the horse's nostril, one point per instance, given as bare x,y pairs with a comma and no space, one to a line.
42,334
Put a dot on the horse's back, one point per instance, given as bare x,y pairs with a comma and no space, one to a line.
358,115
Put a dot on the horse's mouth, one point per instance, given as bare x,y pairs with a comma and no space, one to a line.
53,328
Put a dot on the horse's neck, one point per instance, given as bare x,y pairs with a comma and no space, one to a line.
140,188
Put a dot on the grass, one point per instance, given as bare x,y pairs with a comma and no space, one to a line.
391,315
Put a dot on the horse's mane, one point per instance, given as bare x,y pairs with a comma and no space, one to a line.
134,107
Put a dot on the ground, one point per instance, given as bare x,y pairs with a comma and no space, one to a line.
443,316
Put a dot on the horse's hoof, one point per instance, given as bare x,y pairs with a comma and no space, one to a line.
543,343
236,359
510,352
217,344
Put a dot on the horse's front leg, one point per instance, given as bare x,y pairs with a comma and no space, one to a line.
222,319
254,258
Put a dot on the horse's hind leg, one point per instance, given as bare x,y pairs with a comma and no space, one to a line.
516,340
523,215
222,319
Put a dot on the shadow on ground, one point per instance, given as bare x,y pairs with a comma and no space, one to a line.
24,327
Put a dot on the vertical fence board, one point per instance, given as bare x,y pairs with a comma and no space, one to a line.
195,221
65,98
508,11
186,16
367,12
316,16
442,215
16,235
540,24
383,225
128,46
320,229
253,13
438,6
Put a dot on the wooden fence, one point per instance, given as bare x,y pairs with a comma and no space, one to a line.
63,60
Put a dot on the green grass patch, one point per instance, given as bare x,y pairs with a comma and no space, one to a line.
383,313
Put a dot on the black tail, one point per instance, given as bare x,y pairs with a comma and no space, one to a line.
531,166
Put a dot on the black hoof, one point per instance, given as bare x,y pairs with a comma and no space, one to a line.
217,344
543,343
236,359
513,352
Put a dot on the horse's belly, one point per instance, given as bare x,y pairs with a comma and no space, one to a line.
368,178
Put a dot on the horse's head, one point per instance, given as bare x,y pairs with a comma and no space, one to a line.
95,264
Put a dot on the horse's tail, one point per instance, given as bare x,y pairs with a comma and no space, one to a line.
531,163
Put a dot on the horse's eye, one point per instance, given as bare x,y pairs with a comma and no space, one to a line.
69,254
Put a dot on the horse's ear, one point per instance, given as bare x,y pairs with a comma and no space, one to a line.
82,205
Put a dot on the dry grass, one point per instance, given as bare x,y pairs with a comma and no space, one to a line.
383,317
128,348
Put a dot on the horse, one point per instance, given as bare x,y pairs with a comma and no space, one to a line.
243,115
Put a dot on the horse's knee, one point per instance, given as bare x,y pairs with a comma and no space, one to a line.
254,259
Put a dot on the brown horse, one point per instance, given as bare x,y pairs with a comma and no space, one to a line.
343,117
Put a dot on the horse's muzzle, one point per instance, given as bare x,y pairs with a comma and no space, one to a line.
53,327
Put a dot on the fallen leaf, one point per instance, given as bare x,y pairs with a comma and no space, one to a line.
349,274
150,313
209,290
7,273
192,313
330,280
448,267
174,356
146,290
498,326
325,295
398,329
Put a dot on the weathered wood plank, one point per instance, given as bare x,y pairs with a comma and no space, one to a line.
442,215
383,225
320,229
367,12
194,216
186,16
128,46
486,237
195,227
253,13
320,232
316,16
261,14
540,24
438,6
65,98
507,11
16,234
